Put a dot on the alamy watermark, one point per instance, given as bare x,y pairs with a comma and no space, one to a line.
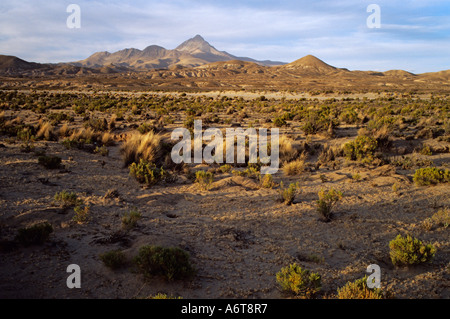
74,19
258,146
374,20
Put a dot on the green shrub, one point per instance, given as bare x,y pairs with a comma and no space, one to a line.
408,250
279,122
82,214
113,259
130,219
327,200
431,176
67,199
50,162
204,179
441,218
146,172
102,150
359,290
267,181
300,282
287,195
225,168
34,235
362,149
172,263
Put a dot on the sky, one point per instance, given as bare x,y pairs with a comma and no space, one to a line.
414,35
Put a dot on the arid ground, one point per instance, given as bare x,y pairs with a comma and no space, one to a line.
237,232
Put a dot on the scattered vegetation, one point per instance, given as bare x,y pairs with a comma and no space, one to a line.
67,199
130,219
82,214
146,172
50,162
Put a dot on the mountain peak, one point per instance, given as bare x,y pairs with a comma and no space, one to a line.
310,64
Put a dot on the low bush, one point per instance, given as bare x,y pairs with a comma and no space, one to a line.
299,282
34,235
172,263
327,200
82,214
146,173
431,176
50,162
67,199
362,149
204,179
408,250
267,181
359,290
130,219
113,259
287,195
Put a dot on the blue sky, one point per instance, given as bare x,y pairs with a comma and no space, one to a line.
414,35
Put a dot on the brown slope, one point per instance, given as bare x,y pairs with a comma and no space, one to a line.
310,65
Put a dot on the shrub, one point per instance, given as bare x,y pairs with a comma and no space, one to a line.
287,195
102,150
408,250
204,179
294,168
82,214
359,290
431,176
441,218
34,235
146,172
300,282
362,149
267,181
50,162
113,259
172,263
327,200
130,219
279,122
225,168
67,199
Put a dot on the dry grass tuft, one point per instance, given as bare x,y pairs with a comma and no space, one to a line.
138,146
45,131
294,168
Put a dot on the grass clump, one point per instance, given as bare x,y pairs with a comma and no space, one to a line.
294,168
130,219
359,290
287,195
34,235
327,200
204,179
113,259
431,176
163,296
299,282
408,250
50,162
146,172
146,147
172,263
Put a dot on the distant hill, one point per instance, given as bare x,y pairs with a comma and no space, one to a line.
310,65
12,64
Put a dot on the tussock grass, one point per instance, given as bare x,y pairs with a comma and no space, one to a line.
142,146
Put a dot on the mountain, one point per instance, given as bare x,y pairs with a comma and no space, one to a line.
12,64
191,53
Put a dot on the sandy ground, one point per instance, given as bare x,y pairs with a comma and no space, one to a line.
237,234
